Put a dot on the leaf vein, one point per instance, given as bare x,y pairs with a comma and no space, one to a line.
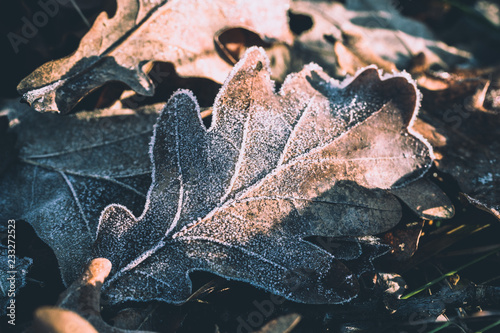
78,204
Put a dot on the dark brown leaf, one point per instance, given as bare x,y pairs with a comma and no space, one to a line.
404,239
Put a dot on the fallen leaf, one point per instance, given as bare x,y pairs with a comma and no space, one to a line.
460,118
426,199
467,146
69,169
237,200
282,324
357,253
115,49
460,91
346,37
404,239
78,308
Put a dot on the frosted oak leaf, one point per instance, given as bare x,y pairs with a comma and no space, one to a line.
318,158
69,169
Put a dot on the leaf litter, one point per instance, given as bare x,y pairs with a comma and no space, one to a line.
317,159
345,37
350,52
117,48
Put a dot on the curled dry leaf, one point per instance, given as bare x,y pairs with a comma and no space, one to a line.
318,158
115,49
69,169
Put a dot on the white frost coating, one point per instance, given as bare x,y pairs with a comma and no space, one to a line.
152,143
145,255
292,161
385,76
173,224
381,158
274,172
238,163
369,239
78,203
278,198
410,128
340,85
35,94
292,134
179,166
229,235
488,178
104,211
236,69
242,249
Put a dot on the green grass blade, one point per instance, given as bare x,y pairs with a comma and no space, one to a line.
484,329
439,328
450,273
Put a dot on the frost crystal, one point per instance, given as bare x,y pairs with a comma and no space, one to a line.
238,199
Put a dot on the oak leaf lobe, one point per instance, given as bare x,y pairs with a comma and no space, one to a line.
317,158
